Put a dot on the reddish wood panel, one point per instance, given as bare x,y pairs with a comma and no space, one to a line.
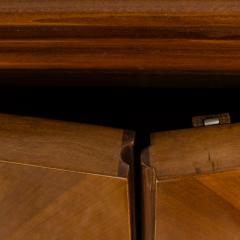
130,35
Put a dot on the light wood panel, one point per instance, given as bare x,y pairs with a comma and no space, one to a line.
199,207
132,37
191,184
62,180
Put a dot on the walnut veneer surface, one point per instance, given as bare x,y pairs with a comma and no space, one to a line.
191,184
62,180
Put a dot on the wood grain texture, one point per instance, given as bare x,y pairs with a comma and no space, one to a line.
148,36
191,184
203,207
62,180
198,151
58,144
39,203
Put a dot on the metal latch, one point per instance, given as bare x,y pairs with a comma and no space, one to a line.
208,120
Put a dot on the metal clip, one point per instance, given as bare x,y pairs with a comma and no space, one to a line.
208,120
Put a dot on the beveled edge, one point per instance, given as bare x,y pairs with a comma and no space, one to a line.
149,182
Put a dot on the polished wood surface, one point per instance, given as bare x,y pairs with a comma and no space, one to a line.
41,203
136,36
191,184
204,207
59,144
62,180
198,151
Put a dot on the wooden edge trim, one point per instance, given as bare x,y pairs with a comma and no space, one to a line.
149,181
126,170
127,153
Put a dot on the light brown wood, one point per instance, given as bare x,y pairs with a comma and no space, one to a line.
191,184
57,144
204,207
131,37
195,151
63,180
